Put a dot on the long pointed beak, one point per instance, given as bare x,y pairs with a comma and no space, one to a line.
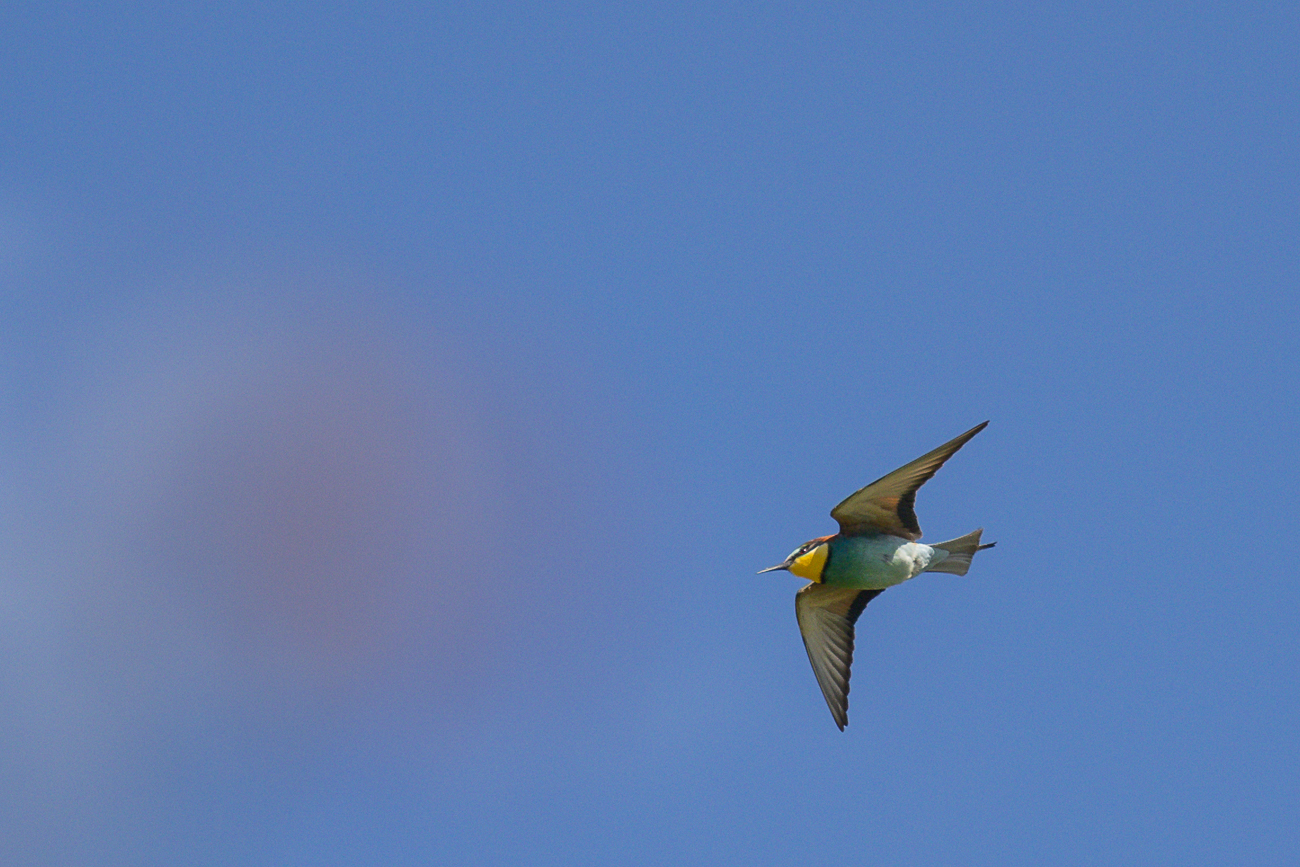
773,568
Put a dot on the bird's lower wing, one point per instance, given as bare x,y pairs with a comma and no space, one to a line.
826,616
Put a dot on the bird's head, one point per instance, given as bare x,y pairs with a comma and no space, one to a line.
806,561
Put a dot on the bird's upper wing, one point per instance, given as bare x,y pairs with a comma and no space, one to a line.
826,617
887,504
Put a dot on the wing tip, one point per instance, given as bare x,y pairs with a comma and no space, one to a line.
970,434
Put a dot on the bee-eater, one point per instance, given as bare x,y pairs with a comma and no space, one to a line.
875,548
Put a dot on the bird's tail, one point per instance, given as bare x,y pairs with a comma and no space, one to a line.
959,551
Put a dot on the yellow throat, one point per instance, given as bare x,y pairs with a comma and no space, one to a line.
810,565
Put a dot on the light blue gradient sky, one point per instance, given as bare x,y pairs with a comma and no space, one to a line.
398,402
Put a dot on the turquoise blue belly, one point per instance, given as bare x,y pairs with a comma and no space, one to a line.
872,562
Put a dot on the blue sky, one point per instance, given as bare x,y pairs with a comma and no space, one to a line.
398,402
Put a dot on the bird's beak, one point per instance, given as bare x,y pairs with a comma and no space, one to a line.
774,568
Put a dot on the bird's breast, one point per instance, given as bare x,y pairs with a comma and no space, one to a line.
875,561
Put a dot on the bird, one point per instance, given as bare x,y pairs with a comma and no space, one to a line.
875,549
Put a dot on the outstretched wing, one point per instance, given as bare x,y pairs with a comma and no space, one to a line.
887,504
826,616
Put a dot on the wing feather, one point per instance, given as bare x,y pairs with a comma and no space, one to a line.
826,617
887,504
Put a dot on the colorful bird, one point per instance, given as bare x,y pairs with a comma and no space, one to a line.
875,548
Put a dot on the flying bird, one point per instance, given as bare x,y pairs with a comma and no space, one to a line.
875,548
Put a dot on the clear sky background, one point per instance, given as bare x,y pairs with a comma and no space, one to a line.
398,400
